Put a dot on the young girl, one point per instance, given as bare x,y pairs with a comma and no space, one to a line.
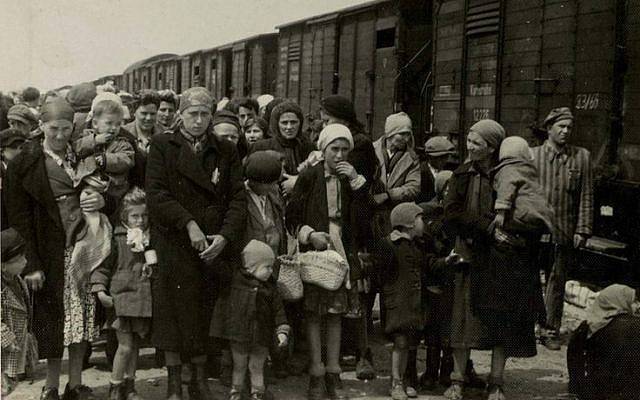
122,282
248,314
255,130
403,264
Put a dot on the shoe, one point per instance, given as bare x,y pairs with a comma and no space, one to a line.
80,392
117,391
235,393
552,343
454,392
365,370
198,386
334,386
174,382
49,394
496,393
411,392
316,388
130,389
397,391
426,382
257,396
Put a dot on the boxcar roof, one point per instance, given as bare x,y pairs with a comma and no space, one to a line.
149,60
357,7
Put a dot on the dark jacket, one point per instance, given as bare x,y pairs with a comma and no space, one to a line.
256,228
207,188
293,152
138,172
249,311
121,276
34,213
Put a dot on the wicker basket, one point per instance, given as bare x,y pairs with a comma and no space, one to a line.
289,282
326,269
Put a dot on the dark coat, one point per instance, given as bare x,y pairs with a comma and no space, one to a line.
137,174
34,213
248,312
255,224
298,152
4,217
121,276
207,188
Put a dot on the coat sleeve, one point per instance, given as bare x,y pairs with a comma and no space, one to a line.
20,207
458,221
585,212
120,157
101,276
409,191
234,223
297,200
8,338
163,206
85,145
506,184
385,262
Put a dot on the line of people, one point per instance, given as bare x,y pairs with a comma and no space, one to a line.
174,223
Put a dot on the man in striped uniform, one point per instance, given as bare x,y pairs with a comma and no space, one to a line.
566,176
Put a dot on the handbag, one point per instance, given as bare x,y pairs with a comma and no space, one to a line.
326,269
289,282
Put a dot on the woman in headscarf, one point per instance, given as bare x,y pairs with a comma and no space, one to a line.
603,353
47,208
321,211
494,293
286,126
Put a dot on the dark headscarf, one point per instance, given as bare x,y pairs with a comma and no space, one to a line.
491,131
269,108
342,108
294,148
56,109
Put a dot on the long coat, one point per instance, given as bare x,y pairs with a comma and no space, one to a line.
182,186
34,213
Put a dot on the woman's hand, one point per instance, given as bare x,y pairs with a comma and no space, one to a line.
217,245
35,280
288,183
92,201
380,198
319,240
345,169
105,299
198,239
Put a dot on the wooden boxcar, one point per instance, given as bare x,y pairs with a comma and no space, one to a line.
141,75
514,60
377,54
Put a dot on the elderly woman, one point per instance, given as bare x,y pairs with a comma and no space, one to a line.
197,205
321,210
494,295
46,208
286,126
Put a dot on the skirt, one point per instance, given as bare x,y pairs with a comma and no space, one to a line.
80,323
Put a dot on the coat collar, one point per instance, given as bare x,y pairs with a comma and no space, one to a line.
391,178
36,181
188,163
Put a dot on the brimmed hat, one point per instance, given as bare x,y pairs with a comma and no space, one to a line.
439,146
9,137
263,167
404,214
22,113
12,243
80,96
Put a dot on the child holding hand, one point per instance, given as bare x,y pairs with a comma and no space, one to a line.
122,283
248,315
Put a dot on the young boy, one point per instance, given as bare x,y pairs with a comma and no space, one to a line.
402,265
19,348
104,150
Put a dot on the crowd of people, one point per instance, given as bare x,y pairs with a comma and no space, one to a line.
180,223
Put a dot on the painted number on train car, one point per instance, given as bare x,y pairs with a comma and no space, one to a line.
587,101
481,113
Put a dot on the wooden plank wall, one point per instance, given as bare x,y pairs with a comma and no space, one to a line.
630,146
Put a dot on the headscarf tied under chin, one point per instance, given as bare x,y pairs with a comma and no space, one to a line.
492,132
296,149
612,301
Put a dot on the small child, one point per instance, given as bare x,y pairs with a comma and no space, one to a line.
248,315
19,348
104,150
403,265
122,283
520,204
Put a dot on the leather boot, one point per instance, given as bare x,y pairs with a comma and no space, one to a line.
334,386
198,387
117,391
130,389
316,388
174,382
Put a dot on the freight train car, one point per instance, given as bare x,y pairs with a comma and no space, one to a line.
378,54
139,75
514,60
116,79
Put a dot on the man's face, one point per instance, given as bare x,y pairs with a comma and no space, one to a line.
146,117
196,119
225,131
20,125
560,131
57,134
166,112
399,141
245,114
108,123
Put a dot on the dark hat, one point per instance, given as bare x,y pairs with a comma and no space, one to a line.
404,214
9,137
439,146
56,109
225,117
263,167
196,96
12,243
339,107
557,114
22,113
80,96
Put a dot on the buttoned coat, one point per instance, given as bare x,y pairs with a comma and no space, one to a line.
182,186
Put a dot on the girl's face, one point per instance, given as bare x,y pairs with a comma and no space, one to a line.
336,151
289,125
477,147
253,134
137,217
14,266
